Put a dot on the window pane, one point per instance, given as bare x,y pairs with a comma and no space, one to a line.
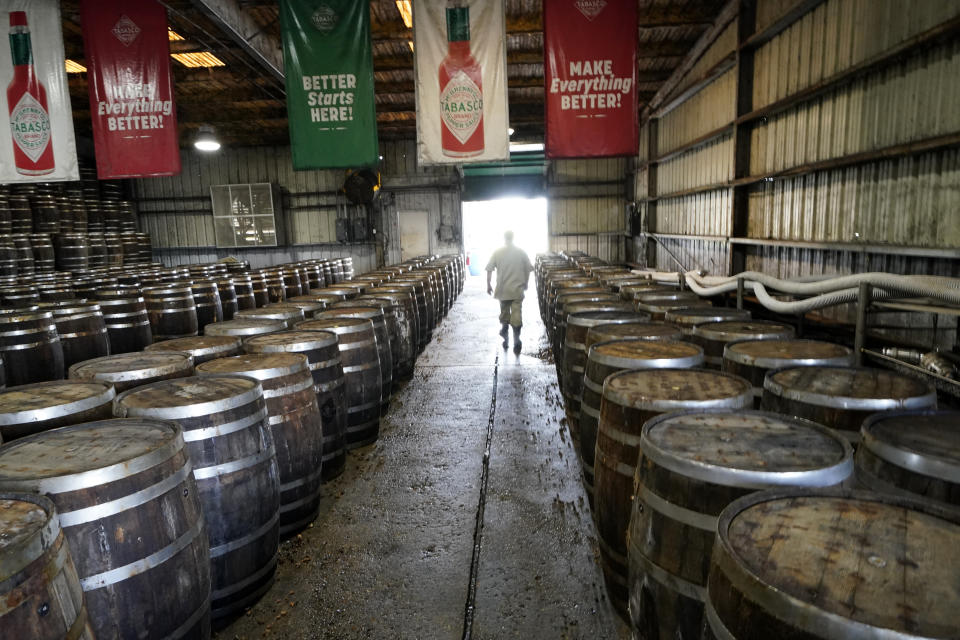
262,200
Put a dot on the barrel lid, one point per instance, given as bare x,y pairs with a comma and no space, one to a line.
860,388
663,306
28,527
243,327
340,291
585,292
646,354
692,316
183,288
601,305
46,400
593,318
634,330
188,397
88,454
307,305
667,296
748,449
778,353
336,324
299,340
197,345
924,442
132,366
278,311
851,565
319,298
262,366
731,330
672,389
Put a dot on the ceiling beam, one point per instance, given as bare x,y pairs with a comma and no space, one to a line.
665,48
662,16
244,30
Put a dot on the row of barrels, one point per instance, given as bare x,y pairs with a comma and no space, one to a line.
674,457
86,207
56,322
173,508
23,254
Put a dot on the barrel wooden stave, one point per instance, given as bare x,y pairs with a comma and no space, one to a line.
30,347
172,311
127,322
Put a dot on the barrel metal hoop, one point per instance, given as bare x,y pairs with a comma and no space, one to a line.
616,556
720,631
190,410
328,386
83,334
623,438
361,367
359,428
323,364
924,401
914,462
253,577
39,545
195,617
237,543
670,581
21,347
593,386
300,482
364,407
239,464
107,509
79,625
223,429
24,332
107,578
673,511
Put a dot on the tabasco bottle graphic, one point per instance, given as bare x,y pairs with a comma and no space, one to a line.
461,89
27,101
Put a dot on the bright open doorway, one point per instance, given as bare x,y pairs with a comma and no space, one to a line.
484,222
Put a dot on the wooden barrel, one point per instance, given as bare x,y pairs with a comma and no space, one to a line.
55,292
630,398
912,453
575,307
129,508
575,356
295,423
243,284
19,297
322,300
842,397
714,336
567,298
172,311
30,347
659,303
82,330
309,306
292,286
39,587
382,339
276,291
692,465
632,331
206,297
114,249
690,317
125,315
32,408
72,252
288,314
832,565
44,255
244,327
397,309
201,348
128,370
235,465
405,295
361,373
228,297
751,359
97,251
259,283
591,292
424,295
605,359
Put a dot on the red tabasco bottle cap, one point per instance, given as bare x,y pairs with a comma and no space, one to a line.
18,18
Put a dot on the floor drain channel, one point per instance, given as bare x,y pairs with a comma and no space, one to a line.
478,527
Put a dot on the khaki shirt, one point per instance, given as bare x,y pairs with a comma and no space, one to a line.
513,270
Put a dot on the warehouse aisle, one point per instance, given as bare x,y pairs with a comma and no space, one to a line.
392,554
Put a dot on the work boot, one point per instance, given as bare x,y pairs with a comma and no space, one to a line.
504,333
517,345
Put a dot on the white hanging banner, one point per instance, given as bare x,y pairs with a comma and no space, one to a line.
460,53
38,146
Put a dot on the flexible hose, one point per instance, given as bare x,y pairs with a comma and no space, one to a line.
831,299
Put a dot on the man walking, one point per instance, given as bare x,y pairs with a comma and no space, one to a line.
513,271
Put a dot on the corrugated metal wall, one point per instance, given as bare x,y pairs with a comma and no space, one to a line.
586,207
176,211
842,157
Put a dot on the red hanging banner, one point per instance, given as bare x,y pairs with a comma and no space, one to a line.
131,89
590,55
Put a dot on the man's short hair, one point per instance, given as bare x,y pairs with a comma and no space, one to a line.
508,236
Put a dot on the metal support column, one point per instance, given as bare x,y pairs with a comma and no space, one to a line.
863,302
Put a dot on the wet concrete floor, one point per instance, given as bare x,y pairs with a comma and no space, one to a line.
467,519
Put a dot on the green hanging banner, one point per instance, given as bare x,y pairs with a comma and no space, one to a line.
328,64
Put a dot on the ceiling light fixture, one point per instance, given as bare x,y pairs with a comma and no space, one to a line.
530,146
206,139
198,59
173,36
406,12
74,67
